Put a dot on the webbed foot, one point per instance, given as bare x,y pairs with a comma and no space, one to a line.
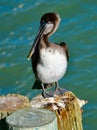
47,94
60,91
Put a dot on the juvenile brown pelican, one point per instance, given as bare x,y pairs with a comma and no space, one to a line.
49,60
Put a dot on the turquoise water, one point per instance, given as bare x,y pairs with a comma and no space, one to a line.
19,22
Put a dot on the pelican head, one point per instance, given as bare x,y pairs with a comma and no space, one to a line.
48,25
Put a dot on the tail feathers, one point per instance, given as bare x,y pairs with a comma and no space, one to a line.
37,85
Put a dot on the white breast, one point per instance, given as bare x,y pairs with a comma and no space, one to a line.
52,65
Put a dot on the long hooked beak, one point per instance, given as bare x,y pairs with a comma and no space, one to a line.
41,30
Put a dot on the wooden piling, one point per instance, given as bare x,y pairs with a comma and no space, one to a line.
67,109
32,119
11,103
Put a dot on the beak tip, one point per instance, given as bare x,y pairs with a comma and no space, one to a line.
28,58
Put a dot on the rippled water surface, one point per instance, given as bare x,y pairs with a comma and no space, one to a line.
19,22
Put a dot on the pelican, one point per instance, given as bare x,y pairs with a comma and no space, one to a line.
49,60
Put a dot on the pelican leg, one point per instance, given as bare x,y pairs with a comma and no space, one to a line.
46,94
58,90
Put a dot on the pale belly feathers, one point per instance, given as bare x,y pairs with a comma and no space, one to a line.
52,65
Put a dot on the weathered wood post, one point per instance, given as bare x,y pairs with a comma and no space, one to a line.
67,109
11,103
32,119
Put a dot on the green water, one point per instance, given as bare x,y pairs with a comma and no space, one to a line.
19,22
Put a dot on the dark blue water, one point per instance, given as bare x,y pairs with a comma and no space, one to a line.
19,22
